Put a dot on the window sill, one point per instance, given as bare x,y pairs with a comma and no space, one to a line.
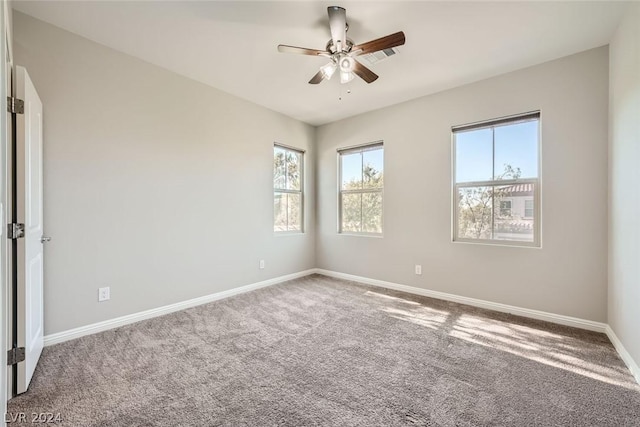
288,233
378,236
503,243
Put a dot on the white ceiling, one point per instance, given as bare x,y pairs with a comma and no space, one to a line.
232,45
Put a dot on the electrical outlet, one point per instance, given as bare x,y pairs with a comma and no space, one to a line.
418,269
261,264
104,294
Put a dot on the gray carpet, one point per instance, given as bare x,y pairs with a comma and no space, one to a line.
321,351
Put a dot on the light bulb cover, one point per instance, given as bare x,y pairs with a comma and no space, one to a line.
346,76
328,70
346,63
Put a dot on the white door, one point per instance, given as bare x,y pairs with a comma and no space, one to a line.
29,210
5,138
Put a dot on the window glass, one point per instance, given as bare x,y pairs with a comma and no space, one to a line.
287,189
351,171
517,149
496,181
474,155
360,193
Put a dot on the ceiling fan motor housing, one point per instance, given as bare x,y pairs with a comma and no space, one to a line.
345,48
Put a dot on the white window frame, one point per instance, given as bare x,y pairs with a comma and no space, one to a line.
493,123
355,149
289,191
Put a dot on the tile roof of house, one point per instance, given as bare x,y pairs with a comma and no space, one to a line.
525,189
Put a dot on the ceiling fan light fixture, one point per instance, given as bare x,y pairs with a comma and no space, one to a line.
346,64
346,76
328,70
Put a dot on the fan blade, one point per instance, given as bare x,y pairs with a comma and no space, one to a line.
338,25
392,40
301,50
317,78
364,73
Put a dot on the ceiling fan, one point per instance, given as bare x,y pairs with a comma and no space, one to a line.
342,52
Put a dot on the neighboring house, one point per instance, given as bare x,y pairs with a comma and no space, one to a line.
516,215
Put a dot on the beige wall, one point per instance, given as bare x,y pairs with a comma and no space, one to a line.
155,185
568,275
624,184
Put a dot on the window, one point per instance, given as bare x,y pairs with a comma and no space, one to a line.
496,181
505,208
287,189
528,208
360,193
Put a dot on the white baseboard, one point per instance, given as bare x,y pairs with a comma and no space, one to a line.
504,308
155,312
624,354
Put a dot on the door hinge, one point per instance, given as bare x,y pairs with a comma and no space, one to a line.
15,230
15,355
15,105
